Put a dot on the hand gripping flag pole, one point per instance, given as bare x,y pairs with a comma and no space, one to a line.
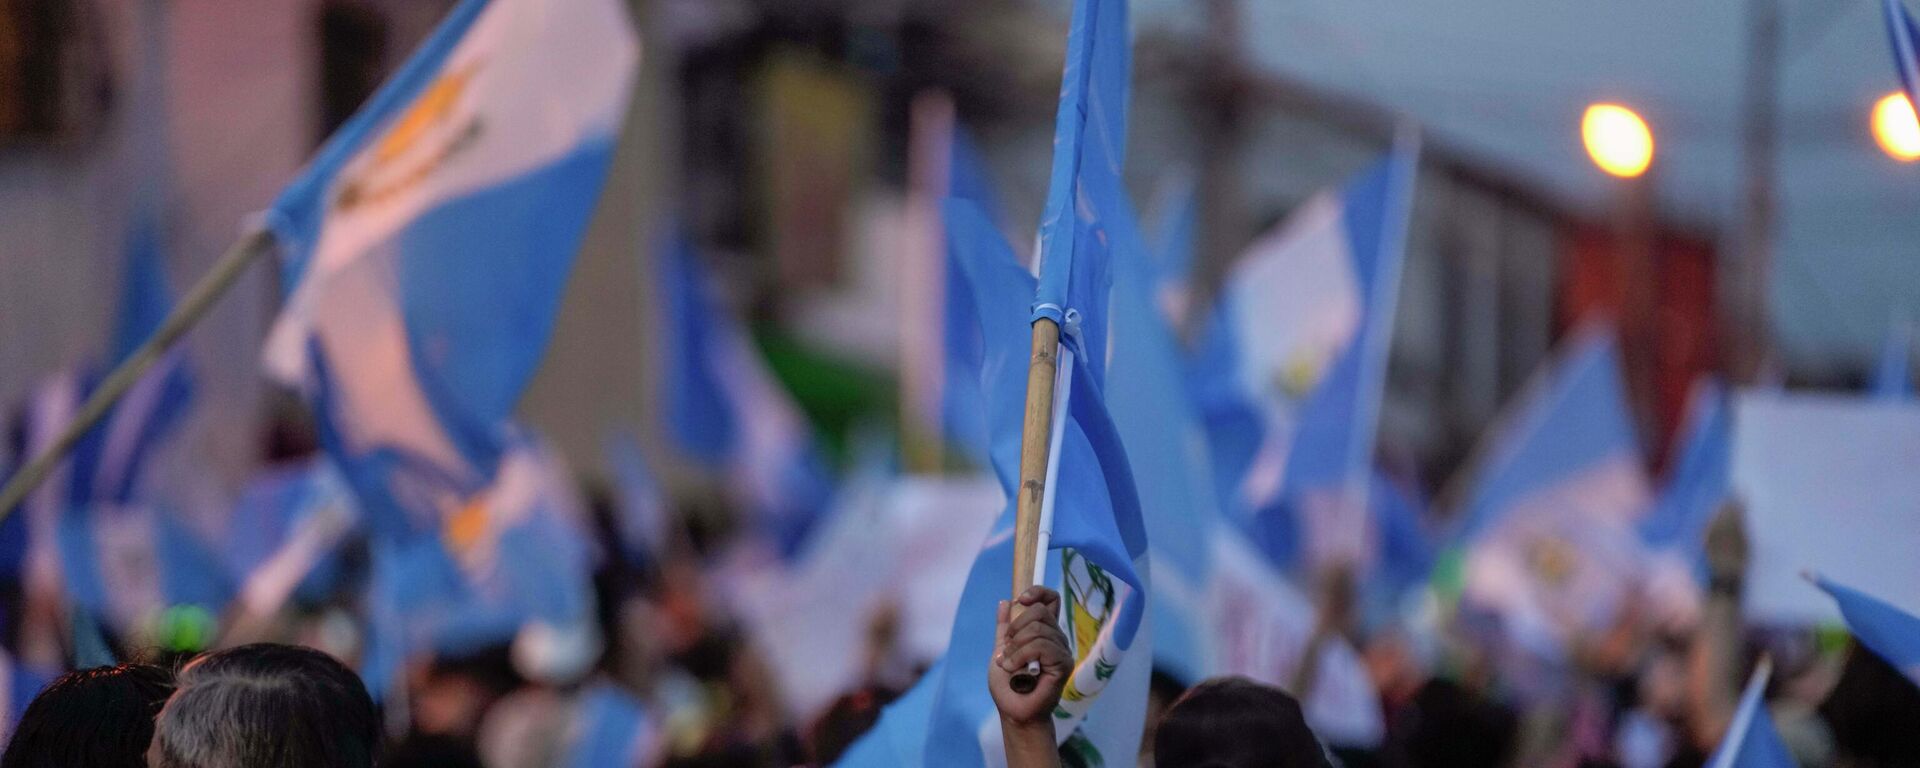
209,290
1049,373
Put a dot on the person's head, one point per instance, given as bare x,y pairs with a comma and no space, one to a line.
1234,722
1871,712
1448,725
92,718
266,704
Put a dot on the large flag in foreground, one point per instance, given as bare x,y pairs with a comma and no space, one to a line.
725,408
1548,526
1098,544
426,246
1888,631
1293,368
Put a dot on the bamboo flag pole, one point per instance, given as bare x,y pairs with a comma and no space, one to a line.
209,290
1036,447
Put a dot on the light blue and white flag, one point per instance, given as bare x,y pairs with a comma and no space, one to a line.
426,246
1294,366
512,565
610,729
1905,38
1751,740
1549,524
1699,481
1176,219
725,408
106,467
643,520
961,418
1891,633
1097,552
1893,374
124,565
286,532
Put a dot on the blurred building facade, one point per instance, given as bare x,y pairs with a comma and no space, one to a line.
775,134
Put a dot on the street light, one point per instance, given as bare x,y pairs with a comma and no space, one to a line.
1895,128
1617,140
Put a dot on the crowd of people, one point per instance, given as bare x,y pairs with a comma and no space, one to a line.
1636,697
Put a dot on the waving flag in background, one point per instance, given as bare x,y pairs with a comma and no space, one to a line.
1176,216
100,482
425,250
1549,524
725,408
610,729
1699,480
1891,633
960,402
643,521
1893,374
1751,740
1293,368
427,244
126,564
1219,608
285,534
512,564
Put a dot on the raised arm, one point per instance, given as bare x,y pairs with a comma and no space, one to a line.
1026,719
1713,674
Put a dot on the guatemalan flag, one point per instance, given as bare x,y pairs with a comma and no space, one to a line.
1699,481
1293,368
1176,217
1751,740
426,246
725,409
1098,547
1548,528
942,361
286,532
93,506
643,520
1219,608
513,565
1891,633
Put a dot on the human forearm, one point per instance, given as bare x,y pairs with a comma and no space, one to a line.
1029,745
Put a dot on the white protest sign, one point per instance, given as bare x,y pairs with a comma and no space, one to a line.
1831,484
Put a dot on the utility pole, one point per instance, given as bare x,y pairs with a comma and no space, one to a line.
1224,101
1746,289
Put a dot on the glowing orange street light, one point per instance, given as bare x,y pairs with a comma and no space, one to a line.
1895,127
1617,140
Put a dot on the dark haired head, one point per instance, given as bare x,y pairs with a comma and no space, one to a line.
92,718
1234,722
1871,711
267,704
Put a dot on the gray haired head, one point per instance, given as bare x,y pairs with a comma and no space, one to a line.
266,704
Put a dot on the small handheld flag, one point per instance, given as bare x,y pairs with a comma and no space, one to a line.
1751,740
